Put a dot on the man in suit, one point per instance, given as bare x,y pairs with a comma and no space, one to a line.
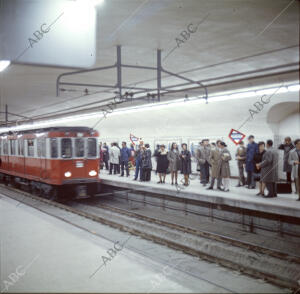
240,156
269,169
124,157
215,162
202,156
294,160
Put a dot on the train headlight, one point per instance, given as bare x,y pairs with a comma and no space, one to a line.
92,173
68,174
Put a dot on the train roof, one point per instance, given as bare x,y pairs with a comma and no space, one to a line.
50,129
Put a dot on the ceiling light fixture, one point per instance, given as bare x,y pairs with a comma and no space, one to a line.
4,64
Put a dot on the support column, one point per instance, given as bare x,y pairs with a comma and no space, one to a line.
6,114
119,70
158,73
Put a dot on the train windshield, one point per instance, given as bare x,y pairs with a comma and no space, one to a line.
66,148
92,147
79,147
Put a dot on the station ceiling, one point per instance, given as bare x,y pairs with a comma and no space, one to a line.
251,42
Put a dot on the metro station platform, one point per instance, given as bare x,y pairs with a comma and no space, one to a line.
40,253
237,197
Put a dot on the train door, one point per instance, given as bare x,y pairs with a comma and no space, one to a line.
21,156
41,150
5,155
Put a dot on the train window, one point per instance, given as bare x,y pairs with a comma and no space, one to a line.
30,148
21,147
92,147
54,148
66,148
79,147
12,147
41,147
5,147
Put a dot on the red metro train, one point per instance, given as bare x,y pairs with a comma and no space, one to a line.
56,162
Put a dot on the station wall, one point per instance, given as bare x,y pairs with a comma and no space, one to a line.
191,122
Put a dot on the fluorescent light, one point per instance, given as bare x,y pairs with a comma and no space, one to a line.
97,2
4,64
266,91
242,95
294,88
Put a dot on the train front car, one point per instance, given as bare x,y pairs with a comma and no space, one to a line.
75,172
56,162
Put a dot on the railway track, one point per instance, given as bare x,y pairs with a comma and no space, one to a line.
276,267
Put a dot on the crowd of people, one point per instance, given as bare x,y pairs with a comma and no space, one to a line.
258,160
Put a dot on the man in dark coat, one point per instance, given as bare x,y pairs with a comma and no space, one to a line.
105,155
287,147
269,169
252,148
124,157
146,163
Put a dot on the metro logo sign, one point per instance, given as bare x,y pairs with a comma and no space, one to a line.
236,137
134,139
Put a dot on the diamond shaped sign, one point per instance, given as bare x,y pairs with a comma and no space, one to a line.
236,137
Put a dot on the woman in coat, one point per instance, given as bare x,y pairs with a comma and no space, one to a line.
146,164
224,166
186,169
162,163
174,162
114,155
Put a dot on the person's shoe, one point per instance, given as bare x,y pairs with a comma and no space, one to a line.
209,188
239,185
268,196
134,179
159,182
221,189
176,183
172,183
204,185
121,176
163,182
298,199
227,190
258,194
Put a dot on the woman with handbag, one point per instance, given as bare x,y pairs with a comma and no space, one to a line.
186,169
162,163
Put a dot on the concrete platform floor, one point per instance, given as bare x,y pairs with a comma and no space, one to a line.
40,253
284,204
